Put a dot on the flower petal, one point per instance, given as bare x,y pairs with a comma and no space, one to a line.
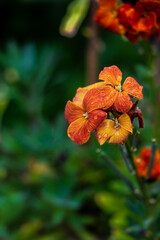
103,17
73,112
105,130
109,4
132,87
99,98
111,75
122,102
95,118
116,27
78,131
125,122
145,23
78,99
119,136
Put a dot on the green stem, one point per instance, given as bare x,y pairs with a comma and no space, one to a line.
152,158
118,172
139,180
126,160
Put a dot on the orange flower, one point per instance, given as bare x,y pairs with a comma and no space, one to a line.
142,163
106,15
116,131
134,19
84,114
137,20
112,76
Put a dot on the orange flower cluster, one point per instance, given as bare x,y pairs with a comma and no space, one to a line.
104,107
142,163
139,20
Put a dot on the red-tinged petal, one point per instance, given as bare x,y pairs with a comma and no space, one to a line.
116,27
145,155
73,112
132,87
122,102
136,112
125,122
111,75
106,16
119,137
142,163
78,131
103,17
106,12
149,6
105,130
139,115
95,118
145,23
109,4
126,14
155,173
99,98
78,99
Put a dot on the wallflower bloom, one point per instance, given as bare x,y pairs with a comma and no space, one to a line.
140,20
133,19
116,131
142,163
112,76
107,16
90,106
84,114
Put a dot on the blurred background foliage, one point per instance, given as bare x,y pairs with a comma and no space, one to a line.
51,188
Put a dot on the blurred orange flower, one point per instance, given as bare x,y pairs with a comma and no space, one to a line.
133,21
112,76
141,20
142,163
116,131
107,16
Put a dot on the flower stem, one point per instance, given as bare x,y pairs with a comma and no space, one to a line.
118,172
153,151
135,140
126,160
139,180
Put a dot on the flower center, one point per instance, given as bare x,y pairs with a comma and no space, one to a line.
85,115
117,124
118,88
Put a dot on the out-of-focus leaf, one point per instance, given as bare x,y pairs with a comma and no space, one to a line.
109,202
28,230
76,12
4,98
137,208
11,206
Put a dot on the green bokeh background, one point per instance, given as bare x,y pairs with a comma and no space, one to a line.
51,188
